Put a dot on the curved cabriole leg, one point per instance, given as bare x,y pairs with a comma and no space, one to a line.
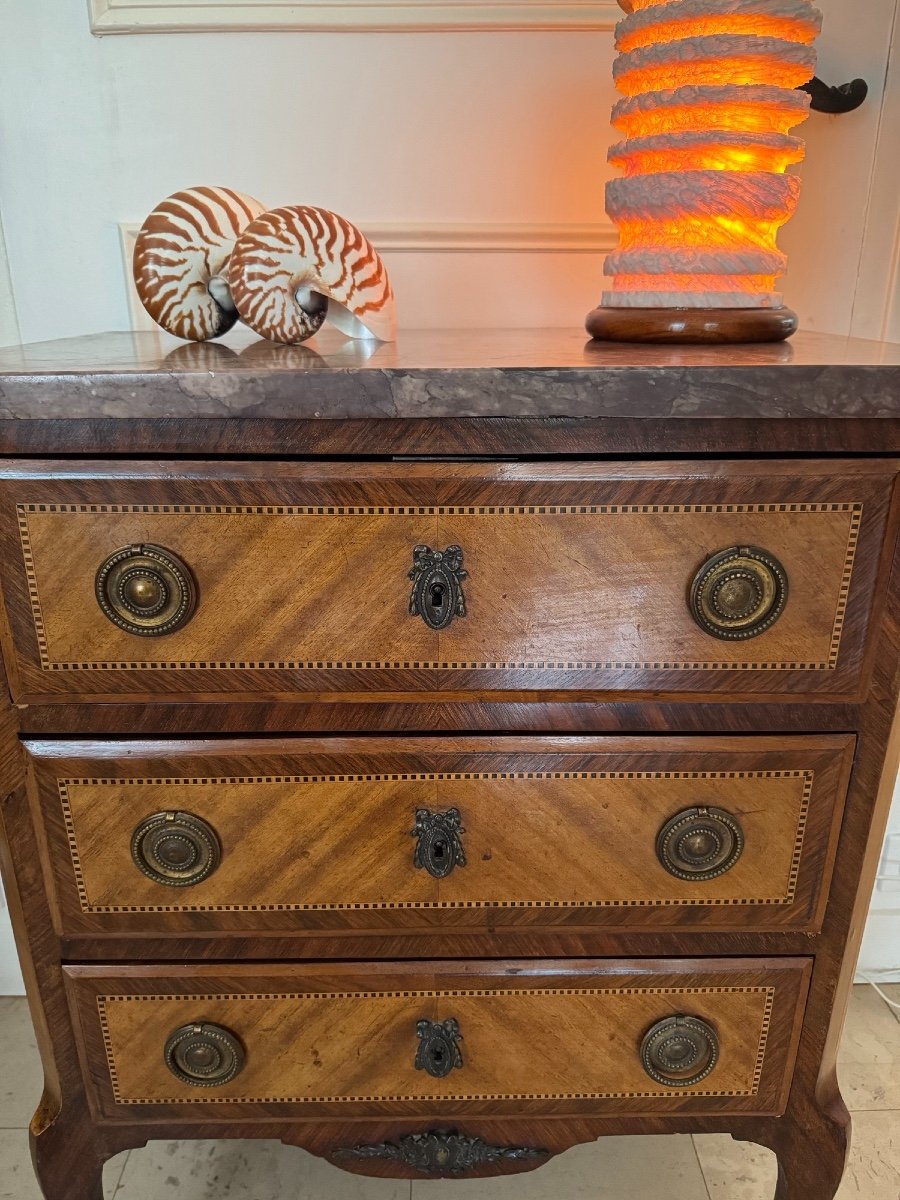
68,1159
812,1155
811,1145
67,1149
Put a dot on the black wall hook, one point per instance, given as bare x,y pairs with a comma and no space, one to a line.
841,99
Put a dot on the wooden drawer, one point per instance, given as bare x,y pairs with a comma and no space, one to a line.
578,577
339,1039
369,833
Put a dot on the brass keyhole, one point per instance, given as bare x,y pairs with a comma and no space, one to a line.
436,595
438,1051
439,847
437,577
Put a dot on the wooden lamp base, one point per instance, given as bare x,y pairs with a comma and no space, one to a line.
691,326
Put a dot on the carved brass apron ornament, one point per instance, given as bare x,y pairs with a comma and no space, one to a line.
438,1052
437,595
441,1152
439,847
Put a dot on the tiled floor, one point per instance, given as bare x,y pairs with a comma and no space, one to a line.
671,1168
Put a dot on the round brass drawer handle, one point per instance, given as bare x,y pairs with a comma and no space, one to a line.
204,1055
146,590
738,593
680,1051
176,848
700,843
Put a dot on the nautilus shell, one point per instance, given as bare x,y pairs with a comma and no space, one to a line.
293,266
709,100
181,259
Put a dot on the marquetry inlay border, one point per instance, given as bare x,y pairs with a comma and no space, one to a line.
103,1003
575,510
435,777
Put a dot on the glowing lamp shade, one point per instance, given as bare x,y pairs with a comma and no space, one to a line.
708,102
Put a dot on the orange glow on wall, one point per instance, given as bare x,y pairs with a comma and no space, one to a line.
710,99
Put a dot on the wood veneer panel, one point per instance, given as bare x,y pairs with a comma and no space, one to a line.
577,576
316,833
441,713
632,403
558,1035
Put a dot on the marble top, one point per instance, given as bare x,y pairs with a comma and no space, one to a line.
436,379
520,372
422,349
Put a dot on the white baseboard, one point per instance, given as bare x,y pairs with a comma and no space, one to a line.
230,16
570,249
889,975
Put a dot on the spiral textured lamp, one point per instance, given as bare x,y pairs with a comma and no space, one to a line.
709,99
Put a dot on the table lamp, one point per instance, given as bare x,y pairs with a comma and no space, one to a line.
710,94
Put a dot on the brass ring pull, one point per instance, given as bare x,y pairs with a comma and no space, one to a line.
439,846
204,1055
176,848
438,1052
738,593
680,1051
146,590
700,843
437,595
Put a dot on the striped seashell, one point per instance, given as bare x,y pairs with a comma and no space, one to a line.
181,259
294,266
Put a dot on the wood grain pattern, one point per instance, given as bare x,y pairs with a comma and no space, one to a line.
562,1034
321,559
437,712
695,327
68,1154
552,562
561,833
814,396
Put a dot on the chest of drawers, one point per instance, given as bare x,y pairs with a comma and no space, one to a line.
440,758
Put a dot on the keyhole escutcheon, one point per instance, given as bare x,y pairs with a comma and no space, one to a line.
438,1053
437,595
439,845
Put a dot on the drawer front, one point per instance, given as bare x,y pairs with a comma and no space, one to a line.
250,578
421,833
481,1037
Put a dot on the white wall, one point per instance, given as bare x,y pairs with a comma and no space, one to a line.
880,955
452,129
9,323
448,128
10,975
484,128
